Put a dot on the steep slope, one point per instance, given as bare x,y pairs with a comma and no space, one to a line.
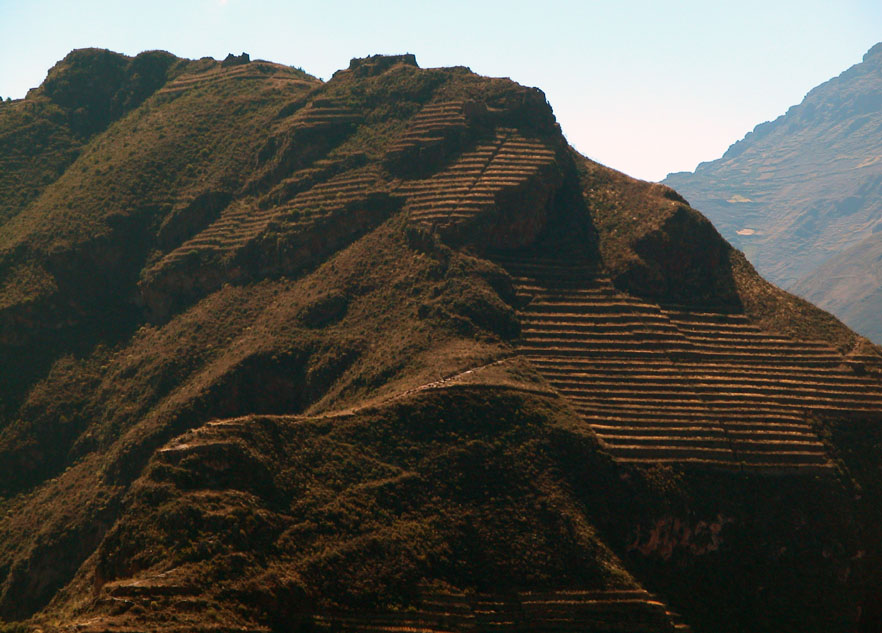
383,353
799,190
85,92
849,284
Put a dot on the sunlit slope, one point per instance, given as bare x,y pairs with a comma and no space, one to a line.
383,353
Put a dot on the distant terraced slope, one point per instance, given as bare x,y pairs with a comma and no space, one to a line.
383,354
799,193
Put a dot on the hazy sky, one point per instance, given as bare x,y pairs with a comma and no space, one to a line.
645,86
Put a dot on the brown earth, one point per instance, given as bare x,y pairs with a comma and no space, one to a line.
384,354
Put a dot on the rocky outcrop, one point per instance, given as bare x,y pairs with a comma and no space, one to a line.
378,64
236,60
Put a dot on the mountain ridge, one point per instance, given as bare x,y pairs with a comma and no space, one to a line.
798,192
383,352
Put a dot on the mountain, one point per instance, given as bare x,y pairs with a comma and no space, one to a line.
383,353
849,284
799,192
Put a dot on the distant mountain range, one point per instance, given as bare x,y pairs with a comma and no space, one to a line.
384,354
802,196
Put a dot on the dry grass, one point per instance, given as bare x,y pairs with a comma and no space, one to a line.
236,387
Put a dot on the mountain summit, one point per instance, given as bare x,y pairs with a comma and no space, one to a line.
384,353
801,195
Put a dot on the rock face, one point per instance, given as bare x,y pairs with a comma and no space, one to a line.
799,194
385,353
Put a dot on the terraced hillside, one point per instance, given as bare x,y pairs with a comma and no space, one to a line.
469,187
624,611
668,384
619,611
383,354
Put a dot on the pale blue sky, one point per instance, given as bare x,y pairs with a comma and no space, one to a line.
645,86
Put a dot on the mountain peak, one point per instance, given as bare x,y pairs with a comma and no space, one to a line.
377,64
874,52
95,86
